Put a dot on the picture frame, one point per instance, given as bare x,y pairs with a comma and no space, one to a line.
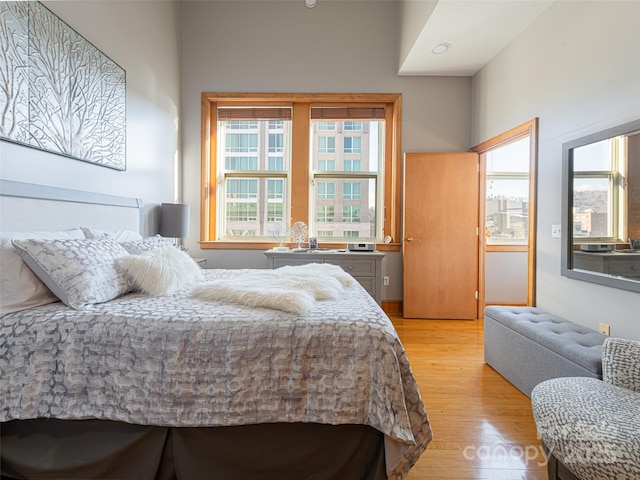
66,96
313,243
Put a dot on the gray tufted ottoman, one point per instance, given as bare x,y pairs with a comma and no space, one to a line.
527,346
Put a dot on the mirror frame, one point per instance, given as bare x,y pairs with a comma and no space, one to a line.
567,208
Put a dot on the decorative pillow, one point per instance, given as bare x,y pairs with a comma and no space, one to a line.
78,272
117,235
162,272
147,245
21,288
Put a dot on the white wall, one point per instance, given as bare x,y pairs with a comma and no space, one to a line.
143,37
285,47
577,68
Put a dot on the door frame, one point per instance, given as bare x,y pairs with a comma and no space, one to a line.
529,129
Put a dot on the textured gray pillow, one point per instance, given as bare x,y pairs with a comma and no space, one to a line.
149,244
78,272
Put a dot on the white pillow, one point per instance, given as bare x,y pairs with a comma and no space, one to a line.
147,245
20,287
162,272
117,235
78,272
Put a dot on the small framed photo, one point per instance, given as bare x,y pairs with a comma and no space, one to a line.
313,243
634,243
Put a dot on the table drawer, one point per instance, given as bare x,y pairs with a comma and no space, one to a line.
369,284
357,267
627,268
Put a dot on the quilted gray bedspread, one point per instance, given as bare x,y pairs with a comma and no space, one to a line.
180,361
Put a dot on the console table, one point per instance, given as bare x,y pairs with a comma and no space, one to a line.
365,267
621,264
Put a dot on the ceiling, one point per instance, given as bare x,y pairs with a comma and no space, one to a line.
476,31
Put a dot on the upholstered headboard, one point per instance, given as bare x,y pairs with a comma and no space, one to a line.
29,207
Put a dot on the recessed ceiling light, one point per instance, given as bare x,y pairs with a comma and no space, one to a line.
441,48
310,3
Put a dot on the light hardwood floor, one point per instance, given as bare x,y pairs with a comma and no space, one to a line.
482,425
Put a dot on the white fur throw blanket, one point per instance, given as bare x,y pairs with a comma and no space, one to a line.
293,289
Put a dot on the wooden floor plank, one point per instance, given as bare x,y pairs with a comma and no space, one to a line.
483,426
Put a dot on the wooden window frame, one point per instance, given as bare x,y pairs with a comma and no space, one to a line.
527,129
299,196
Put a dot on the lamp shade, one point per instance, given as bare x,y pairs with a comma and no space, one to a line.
174,220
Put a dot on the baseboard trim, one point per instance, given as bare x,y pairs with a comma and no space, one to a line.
392,307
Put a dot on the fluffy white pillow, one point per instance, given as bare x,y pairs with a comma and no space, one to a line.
117,235
78,272
161,272
20,287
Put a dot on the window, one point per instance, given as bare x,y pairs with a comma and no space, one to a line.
326,165
241,163
352,144
274,163
357,170
326,191
507,193
241,142
326,126
275,142
352,165
254,186
351,213
322,159
326,144
324,213
351,191
598,197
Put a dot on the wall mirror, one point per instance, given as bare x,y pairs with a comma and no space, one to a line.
601,207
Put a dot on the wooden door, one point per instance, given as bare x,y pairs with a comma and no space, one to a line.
440,225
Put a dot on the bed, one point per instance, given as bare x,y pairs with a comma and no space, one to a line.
180,385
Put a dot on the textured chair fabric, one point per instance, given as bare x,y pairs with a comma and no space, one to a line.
621,363
591,426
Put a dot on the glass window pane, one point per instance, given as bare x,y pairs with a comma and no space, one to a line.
276,142
594,157
275,163
241,163
353,146
326,190
507,210
513,157
253,148
352,126
592,212
254,205
340,201
324,126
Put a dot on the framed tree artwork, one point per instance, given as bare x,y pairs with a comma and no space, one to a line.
58,92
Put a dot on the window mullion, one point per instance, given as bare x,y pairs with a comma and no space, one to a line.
300,129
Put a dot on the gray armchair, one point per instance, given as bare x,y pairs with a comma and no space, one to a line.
591,427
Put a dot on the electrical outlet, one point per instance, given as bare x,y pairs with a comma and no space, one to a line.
556,231
604,328
385,280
